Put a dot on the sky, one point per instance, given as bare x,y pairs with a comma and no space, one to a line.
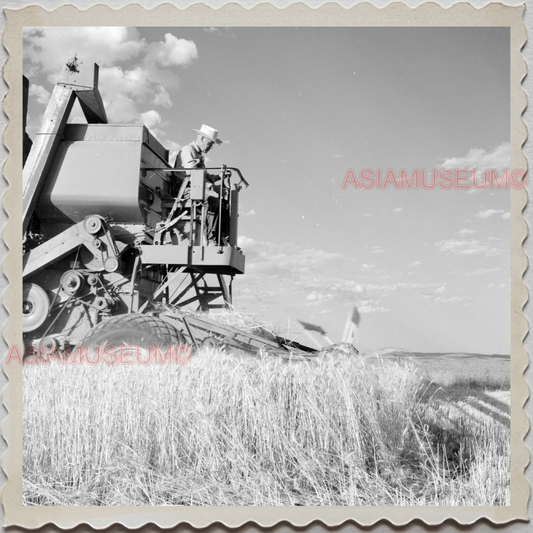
303,112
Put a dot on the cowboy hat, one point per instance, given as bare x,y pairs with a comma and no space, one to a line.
208,133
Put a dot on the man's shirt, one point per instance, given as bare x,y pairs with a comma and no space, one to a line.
190,156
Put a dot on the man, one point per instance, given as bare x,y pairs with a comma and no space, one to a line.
192,155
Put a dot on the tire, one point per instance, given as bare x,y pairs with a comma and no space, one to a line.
133,330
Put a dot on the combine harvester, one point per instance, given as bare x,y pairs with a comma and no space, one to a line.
109,255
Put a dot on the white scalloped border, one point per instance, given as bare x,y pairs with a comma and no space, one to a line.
265,15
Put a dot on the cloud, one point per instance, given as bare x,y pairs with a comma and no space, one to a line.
308,277
151,118
173,52
398,209
40,93
451,300
285,257
246,242
488,213
250,213
130,93
126,92
222,32
461,247
49,48
367,307
506,216
479,159
161,97
464,232
364,266
377,250
439,290
415,264
481,271
317,298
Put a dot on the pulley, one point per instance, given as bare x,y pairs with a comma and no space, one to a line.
92,224
103,304
92,280
72,282
47,345
35,306
111,264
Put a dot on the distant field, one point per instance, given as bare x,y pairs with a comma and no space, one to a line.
445,368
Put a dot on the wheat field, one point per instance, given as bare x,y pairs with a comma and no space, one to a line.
232,429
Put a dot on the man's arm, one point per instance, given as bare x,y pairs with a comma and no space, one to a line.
188,158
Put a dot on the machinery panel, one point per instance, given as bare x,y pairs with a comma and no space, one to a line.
114,133
198,185
97,177
210,258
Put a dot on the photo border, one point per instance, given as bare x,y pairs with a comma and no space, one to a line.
397,14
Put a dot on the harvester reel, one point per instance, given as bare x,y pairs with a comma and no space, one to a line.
72,282
35,306
133,330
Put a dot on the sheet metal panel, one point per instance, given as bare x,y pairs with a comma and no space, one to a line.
230,261
115,133
98,177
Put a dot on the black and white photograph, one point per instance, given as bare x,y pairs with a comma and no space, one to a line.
267,266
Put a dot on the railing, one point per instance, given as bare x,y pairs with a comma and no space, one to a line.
225,174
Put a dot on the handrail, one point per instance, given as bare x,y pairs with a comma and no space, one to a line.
238,172
206,168
223,174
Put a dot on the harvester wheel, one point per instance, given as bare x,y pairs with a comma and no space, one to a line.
143,332
35,306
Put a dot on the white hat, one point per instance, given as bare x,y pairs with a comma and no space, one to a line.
209,133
